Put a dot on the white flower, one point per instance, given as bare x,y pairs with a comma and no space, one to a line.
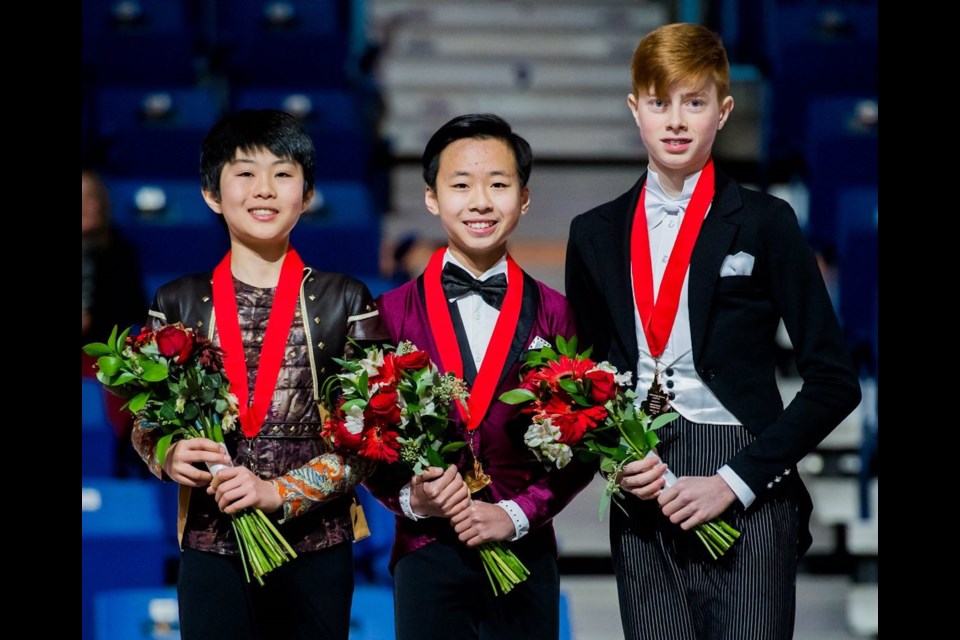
541,433
372,363
228,423
180,404
559,453
625,380
353,419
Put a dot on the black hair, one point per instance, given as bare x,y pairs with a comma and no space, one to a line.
248,131
476,125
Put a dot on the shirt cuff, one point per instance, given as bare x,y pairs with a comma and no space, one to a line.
521,524
405,504
738,486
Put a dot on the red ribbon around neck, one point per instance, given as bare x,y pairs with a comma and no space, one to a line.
658,317
252,414
441,325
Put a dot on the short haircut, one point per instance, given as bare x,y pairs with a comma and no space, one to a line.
476,125
677,54
249,131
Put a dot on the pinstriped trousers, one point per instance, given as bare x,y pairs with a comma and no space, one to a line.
669,586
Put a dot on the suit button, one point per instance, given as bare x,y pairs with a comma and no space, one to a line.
669,384
672,395
769,485
669,371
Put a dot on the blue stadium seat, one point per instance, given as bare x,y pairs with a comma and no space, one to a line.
371,556
137,614
140,42
371,616
343,232
123,539
282,43
98,442
155,131
841,151
816,50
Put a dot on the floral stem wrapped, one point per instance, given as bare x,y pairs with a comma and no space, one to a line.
585,408
393,406
174,382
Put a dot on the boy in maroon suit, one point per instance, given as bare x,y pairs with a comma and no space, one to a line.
474,304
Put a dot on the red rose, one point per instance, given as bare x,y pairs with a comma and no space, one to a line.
383,408
145,338
602,386
413,361
175,342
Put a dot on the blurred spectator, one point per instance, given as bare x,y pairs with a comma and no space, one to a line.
112,288
111,294
404,259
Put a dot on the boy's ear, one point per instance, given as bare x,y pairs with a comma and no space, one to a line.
726,106
524,200
634,105
307,199
212,201
430,199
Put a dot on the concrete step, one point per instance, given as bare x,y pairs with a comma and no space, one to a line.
607,15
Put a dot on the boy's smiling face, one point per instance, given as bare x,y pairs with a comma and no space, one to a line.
678,127
478,199
261,197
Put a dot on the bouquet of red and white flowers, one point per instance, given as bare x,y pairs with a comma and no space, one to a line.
585,408
393,406
174,382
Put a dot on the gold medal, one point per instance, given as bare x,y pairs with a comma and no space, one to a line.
477,479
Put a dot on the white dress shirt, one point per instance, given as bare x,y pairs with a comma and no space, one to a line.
689,396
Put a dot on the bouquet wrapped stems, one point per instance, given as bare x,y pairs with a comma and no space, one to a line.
717,536
504,569
262,546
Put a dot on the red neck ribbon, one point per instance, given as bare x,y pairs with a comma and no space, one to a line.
488,376
253,414
658,318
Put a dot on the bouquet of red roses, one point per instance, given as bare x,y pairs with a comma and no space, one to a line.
174,382
585,408
393,406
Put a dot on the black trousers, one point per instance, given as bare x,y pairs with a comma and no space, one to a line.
309,597
669,586
441,592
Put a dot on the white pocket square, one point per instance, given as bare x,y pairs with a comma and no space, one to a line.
738,264
538,343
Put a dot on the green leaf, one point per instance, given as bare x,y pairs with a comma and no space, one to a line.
604,504
607,465
518,396
124,378
569,386
109,365
453,446
434,457
562,346
153,371
357,402
138,402
549,354
163,444
663,419
97,349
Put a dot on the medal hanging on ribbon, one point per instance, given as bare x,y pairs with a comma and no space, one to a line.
494,359
657,315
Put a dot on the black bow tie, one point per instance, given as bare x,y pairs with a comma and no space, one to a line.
457,282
